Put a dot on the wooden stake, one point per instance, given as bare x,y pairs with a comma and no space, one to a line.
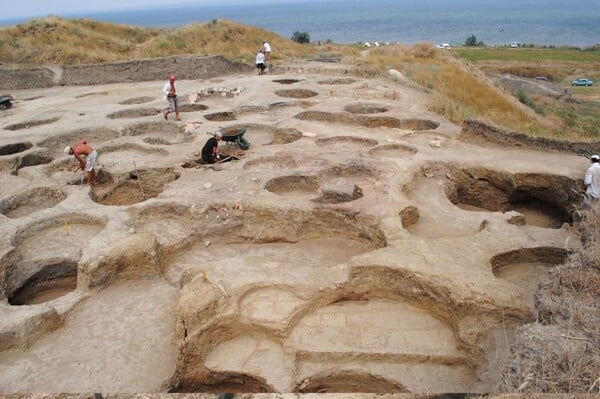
139,179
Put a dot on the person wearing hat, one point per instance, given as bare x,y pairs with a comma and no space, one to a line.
210,151
171,97
592,180
80,150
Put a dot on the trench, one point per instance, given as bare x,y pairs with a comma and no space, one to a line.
133,113
31,123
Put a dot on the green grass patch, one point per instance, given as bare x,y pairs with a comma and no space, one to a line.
528,54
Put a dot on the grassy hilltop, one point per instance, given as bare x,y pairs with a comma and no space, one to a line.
55,40
456,79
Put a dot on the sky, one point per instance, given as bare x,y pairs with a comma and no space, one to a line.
42,8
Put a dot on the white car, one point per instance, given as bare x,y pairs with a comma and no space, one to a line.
443,45
514,44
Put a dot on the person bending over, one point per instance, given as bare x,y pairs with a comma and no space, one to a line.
210,151
80,150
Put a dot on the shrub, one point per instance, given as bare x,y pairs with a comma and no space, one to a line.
301,37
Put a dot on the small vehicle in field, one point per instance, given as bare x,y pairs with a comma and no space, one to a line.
542,78
582,82
514,44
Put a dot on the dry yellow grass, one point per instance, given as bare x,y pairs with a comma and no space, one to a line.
63,41
458,92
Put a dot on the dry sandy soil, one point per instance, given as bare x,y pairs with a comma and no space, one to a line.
358,245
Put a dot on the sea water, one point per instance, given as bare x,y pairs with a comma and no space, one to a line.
541,22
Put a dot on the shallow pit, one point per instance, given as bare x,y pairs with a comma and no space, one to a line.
133,187
368,121
544,200
338,81
158,133
274,162
293,185
95,93
347,382
31,201
270,305
192,107
425,138
52,281
134,113
117,157
365,108
221,116
296,93
56,143
346,143
286,81
286,135
394,151
15,148
32,123
137,100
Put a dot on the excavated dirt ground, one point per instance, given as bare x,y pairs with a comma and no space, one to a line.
357,246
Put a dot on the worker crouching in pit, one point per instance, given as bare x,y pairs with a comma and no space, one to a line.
210,151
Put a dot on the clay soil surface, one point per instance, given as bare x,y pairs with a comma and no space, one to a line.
357,245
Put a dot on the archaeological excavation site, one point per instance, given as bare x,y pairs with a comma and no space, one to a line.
361,243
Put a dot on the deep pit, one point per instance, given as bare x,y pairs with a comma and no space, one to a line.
15,148
32,123
544,200
296,93
133,187
527,267
31,201
134,113
52,281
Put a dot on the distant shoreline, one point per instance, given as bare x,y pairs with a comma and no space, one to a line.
414,21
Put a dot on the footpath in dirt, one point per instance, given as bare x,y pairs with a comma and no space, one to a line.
360,243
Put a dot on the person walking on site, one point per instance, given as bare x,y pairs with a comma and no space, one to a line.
210,151
267,49
592,181
81,150
171,96
260,62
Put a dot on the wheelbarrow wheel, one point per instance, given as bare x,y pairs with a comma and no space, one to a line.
243,143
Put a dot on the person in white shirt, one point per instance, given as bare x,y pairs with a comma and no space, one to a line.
260,62
592,180
171,97
267,48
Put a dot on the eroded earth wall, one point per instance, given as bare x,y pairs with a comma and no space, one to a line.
185,66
